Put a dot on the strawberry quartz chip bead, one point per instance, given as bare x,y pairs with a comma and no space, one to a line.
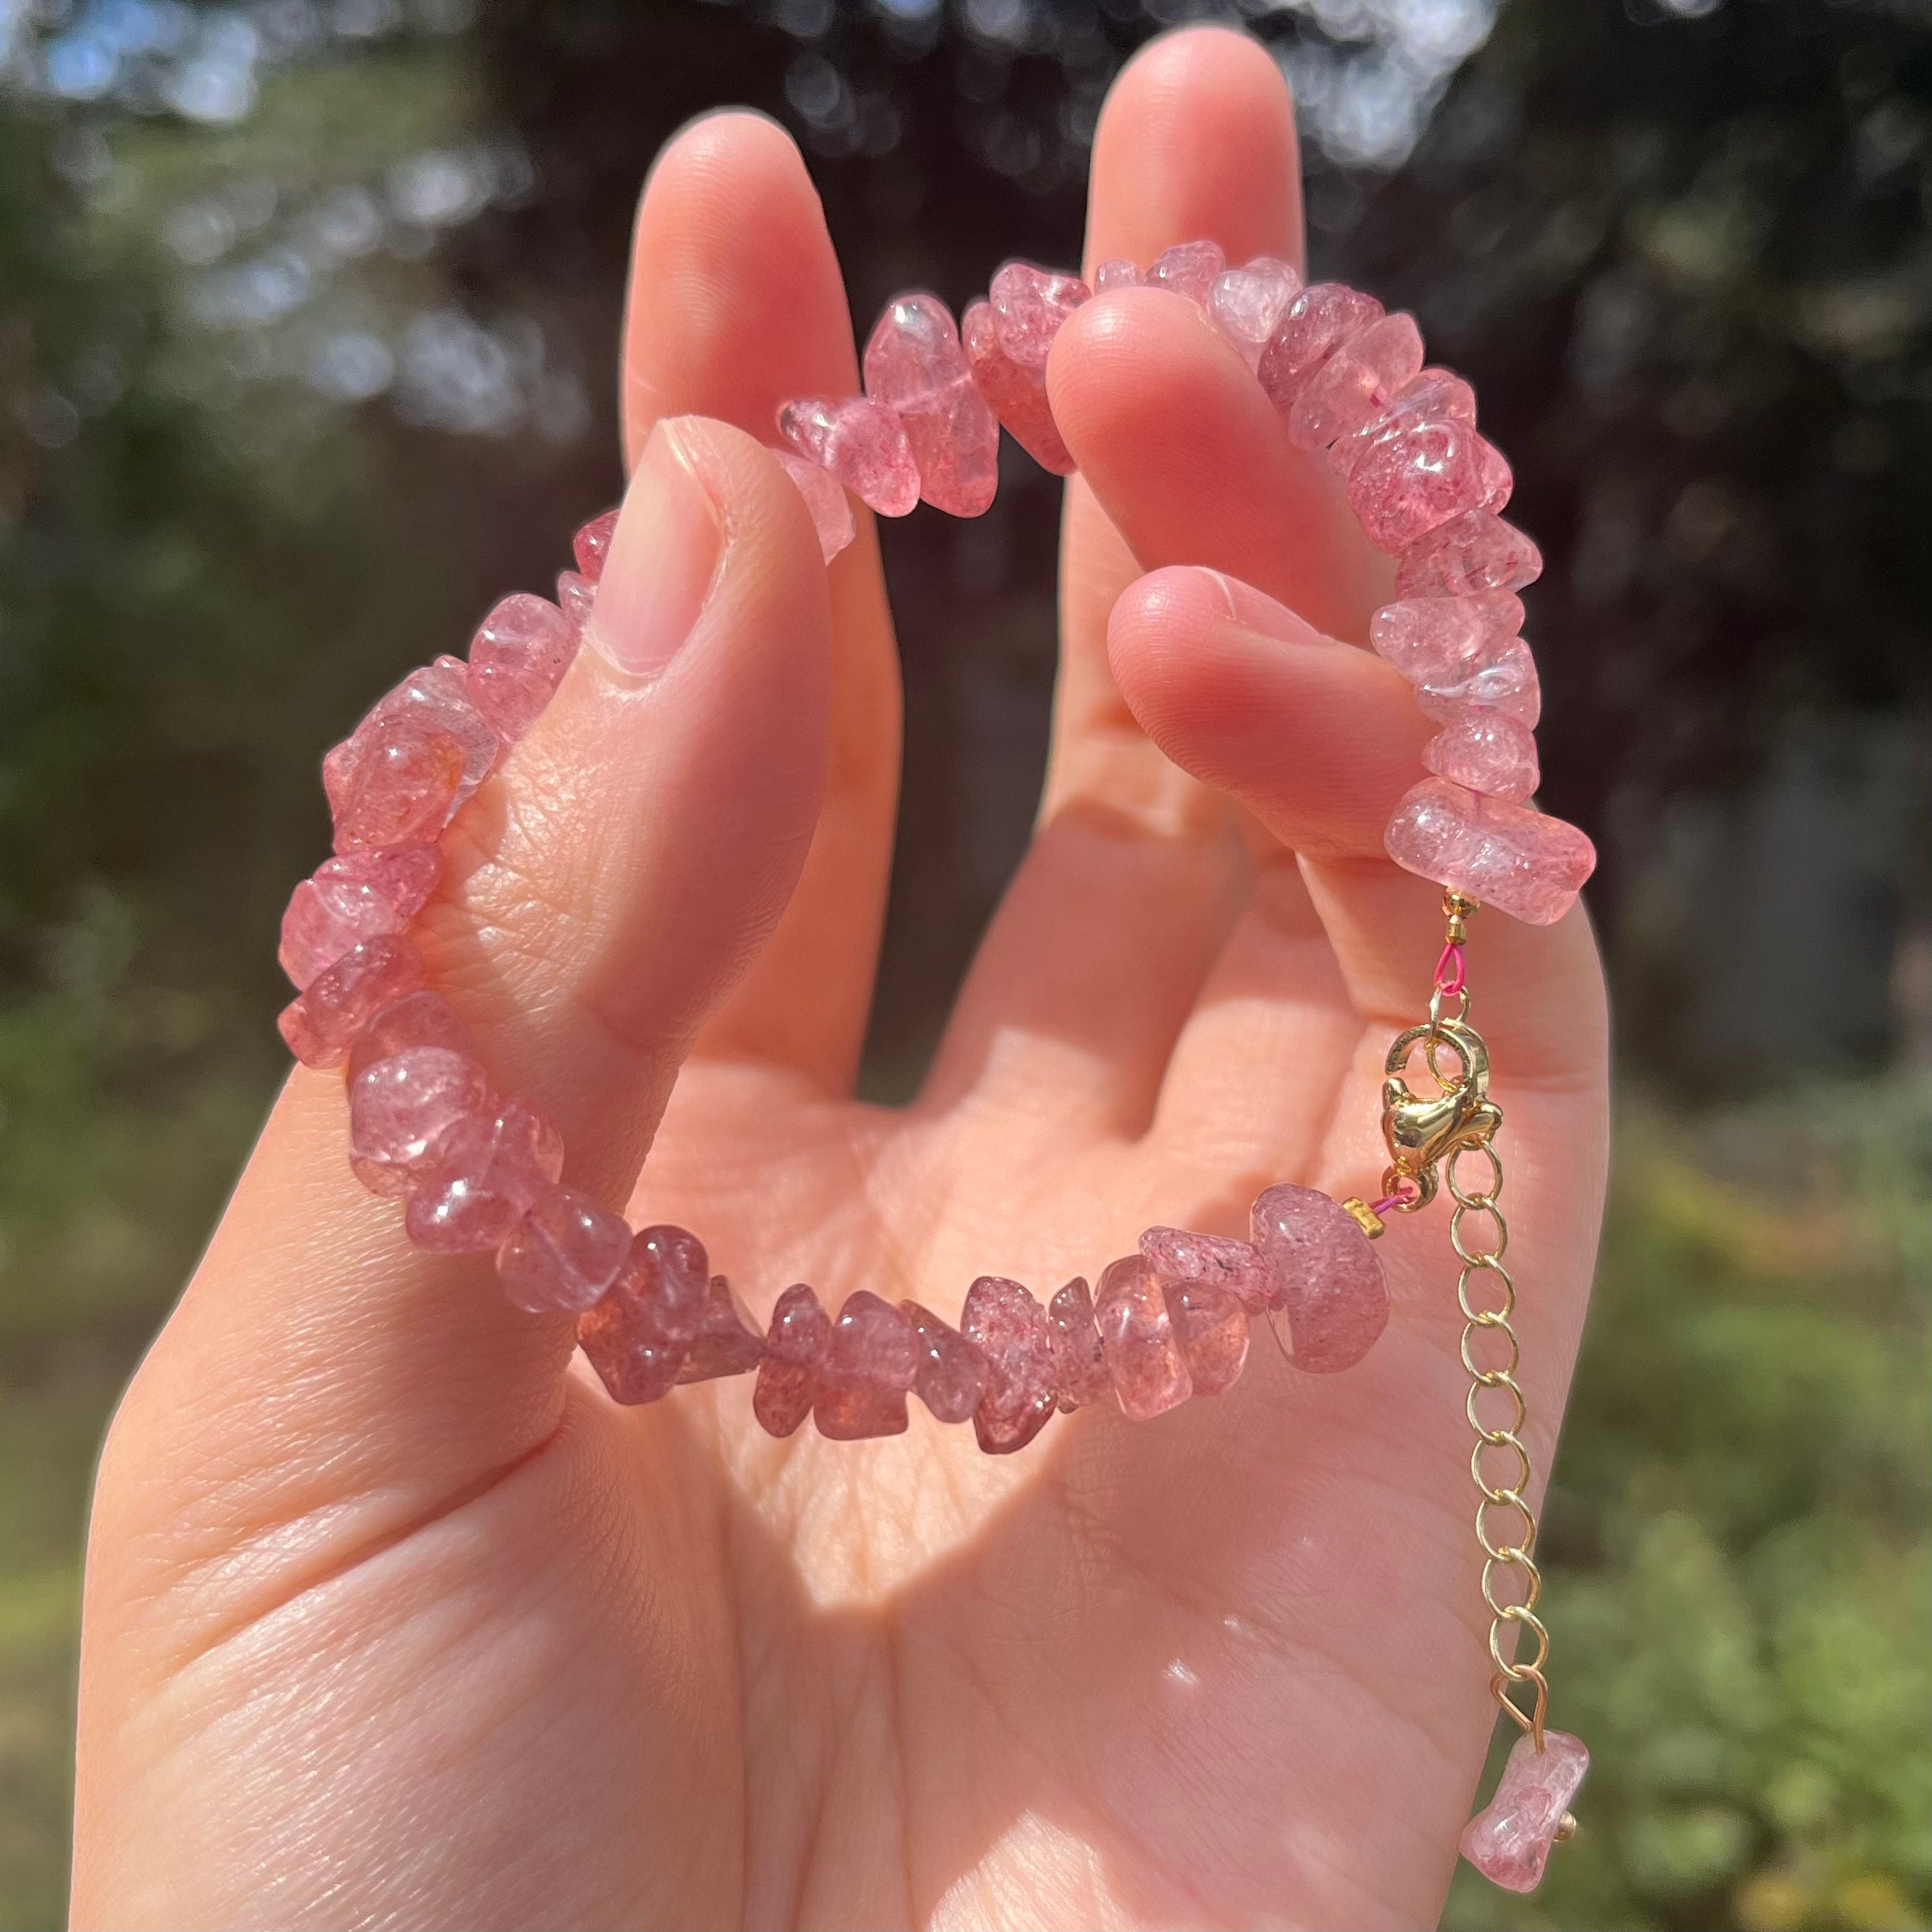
1080,1363
1356,383
359,895
564,1254
483,1174
1213,1332
1179,1257
322,1024
1008,338
1441,640
1486,751
795,1342
1420,473
1324,1275
831,510
1145,1361
1507,684
1009,1328
1473,552
638,1336
1115,273
1508,1841
518,658
952,1374
870,1364
1522,863
916,366
421,1019
592,545
1248,302
725,1342
576,595
392,784
1313,325
438,698
862,444
401,1108
1030,307
1189,269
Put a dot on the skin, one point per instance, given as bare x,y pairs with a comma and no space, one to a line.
393,1619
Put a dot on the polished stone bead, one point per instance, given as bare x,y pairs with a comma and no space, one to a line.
1475,551
1029,306
1324,315
1327,1279
1145,1363
1189,268
437,697
1177,1255
1009,1327
1116,272
392,784
576,595
1508,683
870,1364
1017,395
357,895
1213,1332
401,1108
564,1254
1356,382
1420,473
1435,395
915,365
1519,861
1080,1365
592,545
1247,302
825,498
321,1024
483,1175
637,1337
517,660
1442,640
1508,1841
420,1019
726,1342
788,1377
1486,751
859,442
953,1374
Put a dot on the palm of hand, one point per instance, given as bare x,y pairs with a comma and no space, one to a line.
527,1657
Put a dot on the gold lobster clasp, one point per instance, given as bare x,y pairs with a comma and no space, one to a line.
1423,1131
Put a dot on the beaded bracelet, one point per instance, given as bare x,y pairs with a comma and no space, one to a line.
479,1172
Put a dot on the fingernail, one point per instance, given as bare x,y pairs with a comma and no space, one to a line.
663,558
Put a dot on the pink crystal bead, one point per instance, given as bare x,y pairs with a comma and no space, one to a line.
637,1337
915,365
1356,384
1475,551
1145,1363
1213,1332
1178,1256
483,1175
592,545
392,784
726,1342
1009,1328
1486,751
517,660
1443,640
1080,1364
576,595
564,1254
321,1025
953,1374
830,506
1508,683
1189,268
1029,306
1420,473
401,1108
1435,396
1322,317
350,898
1116,272
788,1376
1326,1277
1521,862
438,698
420,1019
1017,395
870,1362
1249,302
1509,1841
862,444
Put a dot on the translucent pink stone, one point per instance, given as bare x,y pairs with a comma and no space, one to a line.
483,1175
788,1377
392,784
438,698
825,498
576,595
915,365
564,1253
870,1362
1475,551
517,660
1009,1327
953,1374
1249,302
1356,384
1177,1255
1117,272
1509,1841
861,443
1508,683
1435,395
1145,1363
1213,1332
1486,751
1189,268
417,1019
1419,474
1029,306
1017,395
726,1342
1442,640
592,545
1080,1365
1326,1277
1322,316
355,897
1521,862
401,1108
320,1026
637,1337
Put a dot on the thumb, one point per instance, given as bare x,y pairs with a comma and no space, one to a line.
602,891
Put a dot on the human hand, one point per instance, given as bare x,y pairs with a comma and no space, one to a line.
392,1617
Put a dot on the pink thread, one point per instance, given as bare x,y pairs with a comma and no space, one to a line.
1401,1198
1450,962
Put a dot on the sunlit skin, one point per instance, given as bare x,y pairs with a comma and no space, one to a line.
393,1618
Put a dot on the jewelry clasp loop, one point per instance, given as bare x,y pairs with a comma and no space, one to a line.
1423,1131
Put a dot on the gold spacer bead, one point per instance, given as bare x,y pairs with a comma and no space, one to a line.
1365,1217
1566,1829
